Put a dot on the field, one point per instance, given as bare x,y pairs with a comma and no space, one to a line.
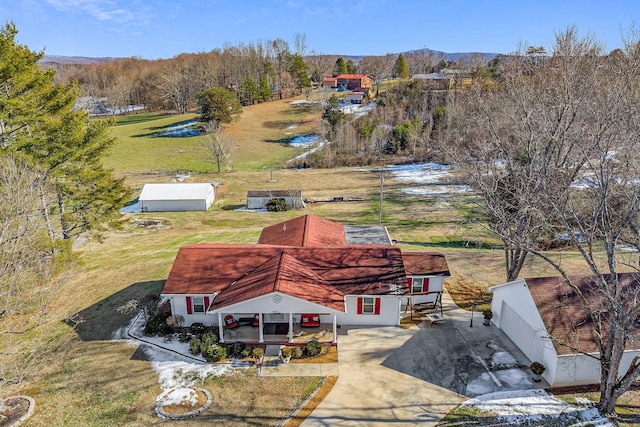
97,381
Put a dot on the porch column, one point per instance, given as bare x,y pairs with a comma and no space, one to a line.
290,327
335,329
260,328
220,327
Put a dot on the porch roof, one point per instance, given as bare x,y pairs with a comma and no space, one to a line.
284,274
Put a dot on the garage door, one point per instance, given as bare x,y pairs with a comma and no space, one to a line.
521,333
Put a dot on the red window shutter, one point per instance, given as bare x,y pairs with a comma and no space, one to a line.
425,284
410,282
206,304
376,309
189,308
359,305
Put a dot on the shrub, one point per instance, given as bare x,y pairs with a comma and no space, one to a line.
537,368
257,352
209,339
296,352
235,349
195,346
158,325
214,353
314,348
246,352
286,352
277,205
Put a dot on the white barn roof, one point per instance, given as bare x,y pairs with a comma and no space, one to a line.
176,191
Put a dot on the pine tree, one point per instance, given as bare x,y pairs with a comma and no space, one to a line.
218,104
264,90
400,70
39,123
340,67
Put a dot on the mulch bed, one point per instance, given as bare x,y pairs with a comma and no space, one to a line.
16,407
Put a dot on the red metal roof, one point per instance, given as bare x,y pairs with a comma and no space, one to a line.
307,230
351,76
425,263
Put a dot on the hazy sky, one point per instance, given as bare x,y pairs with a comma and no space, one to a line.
162,29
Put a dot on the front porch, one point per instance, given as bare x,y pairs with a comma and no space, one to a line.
251,334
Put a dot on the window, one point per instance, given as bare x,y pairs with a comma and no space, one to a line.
198,305
419,284
416,287
368,305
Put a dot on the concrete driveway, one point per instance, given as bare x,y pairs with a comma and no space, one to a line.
415,376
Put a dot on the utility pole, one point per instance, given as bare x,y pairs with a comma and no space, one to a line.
381,193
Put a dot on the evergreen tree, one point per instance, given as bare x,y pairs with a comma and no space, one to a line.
332,113
340,67
351,67
400,70
264,90
298,70
249,91
219,105
39,123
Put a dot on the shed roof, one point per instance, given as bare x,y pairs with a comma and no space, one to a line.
176,191
425,263
274,193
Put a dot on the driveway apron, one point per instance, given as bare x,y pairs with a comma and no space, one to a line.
403,377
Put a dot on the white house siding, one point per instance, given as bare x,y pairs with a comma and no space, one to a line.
517,315
179,308
436,284
174,205
176,197
389,312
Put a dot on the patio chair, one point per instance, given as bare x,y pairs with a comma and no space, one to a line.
230,322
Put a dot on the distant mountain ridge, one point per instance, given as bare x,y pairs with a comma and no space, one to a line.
53,60
70,60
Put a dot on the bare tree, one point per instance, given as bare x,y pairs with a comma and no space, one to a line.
556,148
218,145
31,277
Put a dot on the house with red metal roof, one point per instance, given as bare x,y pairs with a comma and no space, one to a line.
304,268
547,320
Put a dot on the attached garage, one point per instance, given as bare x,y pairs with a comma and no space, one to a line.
176,197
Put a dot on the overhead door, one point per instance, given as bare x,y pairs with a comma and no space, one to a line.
521,333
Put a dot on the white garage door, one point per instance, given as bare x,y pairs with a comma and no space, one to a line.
521,333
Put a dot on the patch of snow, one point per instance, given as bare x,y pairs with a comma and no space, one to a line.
503,358
308,152
304,141
179,396
303,101
518,407
433,190
135,207
181,130
181,177
429,176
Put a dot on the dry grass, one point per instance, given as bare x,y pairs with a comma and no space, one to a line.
115,385
312,403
